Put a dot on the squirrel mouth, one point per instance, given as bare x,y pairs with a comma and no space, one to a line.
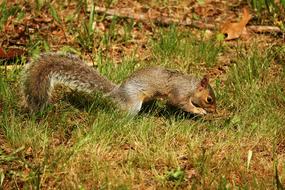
196,105
208,110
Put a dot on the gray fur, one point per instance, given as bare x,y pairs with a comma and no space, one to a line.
51,69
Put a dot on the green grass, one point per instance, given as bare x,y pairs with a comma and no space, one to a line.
171,45
69,147
269,11
80,142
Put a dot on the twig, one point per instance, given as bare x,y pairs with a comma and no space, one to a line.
262,29
163,20
129,13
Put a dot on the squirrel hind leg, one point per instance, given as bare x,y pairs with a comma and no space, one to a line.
34,100
132,107
34,104
128,102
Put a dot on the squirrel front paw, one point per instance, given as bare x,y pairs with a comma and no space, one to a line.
199,111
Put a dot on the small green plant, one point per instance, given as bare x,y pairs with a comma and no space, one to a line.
87,32
6,12
177,175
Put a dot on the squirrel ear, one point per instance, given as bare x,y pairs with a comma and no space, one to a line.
204,82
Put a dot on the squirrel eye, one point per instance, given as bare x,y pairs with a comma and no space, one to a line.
209,100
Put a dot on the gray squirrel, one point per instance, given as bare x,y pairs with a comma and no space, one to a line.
189,93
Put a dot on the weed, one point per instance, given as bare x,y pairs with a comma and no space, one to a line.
175,175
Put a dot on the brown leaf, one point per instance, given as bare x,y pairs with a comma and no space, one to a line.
235,30
43,18
207,11
11,53
191,174
29,151
15,52
2,53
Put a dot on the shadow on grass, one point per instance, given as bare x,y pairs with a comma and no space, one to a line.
98,103
89,103
167,111
95,103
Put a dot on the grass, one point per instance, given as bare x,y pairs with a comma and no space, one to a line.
273,11
80,142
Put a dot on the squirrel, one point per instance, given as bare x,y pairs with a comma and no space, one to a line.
42,74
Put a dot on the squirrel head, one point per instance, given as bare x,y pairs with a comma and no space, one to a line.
198,99
204,96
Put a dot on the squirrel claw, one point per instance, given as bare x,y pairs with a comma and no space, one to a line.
199,111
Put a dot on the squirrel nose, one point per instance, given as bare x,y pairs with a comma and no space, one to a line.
215,110
212,110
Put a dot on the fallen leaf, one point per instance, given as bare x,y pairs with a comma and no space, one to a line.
235,30
191,174
15,52
11,53
2,53
29,151
207,11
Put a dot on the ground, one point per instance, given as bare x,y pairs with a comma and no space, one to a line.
82,142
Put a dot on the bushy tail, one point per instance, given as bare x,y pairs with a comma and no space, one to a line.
43,74
35,94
